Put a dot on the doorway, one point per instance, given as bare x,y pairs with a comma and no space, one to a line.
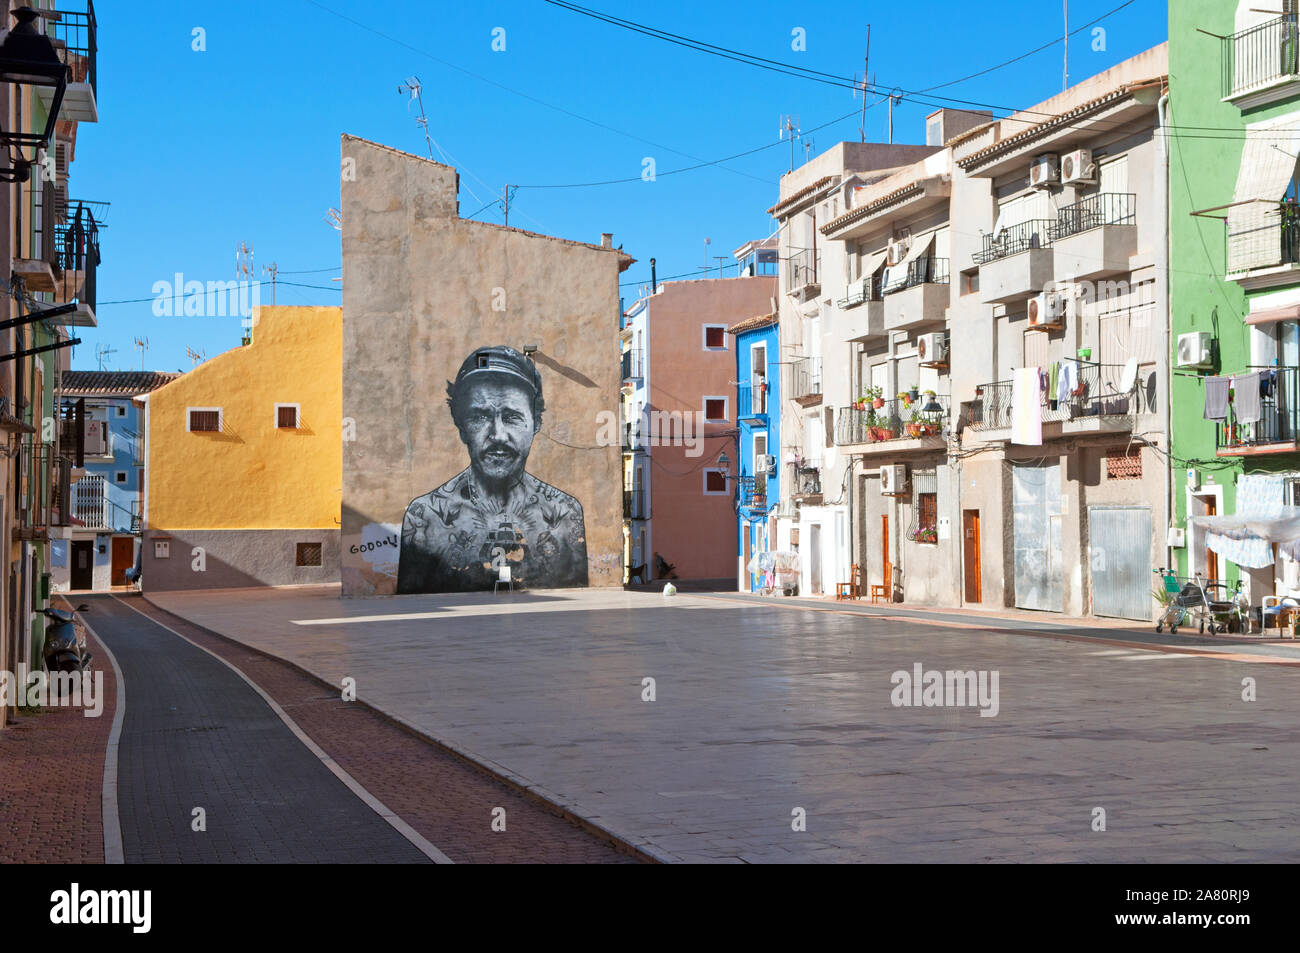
970,532
123,558
815,558
886,567
1036,528
83,564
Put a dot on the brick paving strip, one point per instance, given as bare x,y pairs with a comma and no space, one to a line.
53,763
443,797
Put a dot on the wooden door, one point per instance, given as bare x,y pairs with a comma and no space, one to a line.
886,568
82,555
123,558
970,526
1211,558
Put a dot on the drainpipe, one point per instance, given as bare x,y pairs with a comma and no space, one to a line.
1161,124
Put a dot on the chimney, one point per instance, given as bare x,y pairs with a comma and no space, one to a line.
606,239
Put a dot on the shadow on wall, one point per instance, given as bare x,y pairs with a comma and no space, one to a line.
236,559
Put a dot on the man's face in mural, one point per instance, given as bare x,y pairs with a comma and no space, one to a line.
497,426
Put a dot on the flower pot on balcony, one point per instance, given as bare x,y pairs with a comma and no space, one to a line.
878,403
913,394
914,430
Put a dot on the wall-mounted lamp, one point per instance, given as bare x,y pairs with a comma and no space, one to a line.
28,58
532,348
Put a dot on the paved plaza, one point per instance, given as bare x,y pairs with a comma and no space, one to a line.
763,713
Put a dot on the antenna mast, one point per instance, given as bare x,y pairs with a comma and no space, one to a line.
862,125
142,345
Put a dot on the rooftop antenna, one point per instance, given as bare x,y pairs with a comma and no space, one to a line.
142,345
196,357
1065,44
807,149
705,266
102,353
272,269
335,219
790,129
412,86
862,124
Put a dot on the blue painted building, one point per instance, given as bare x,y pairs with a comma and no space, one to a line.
104,497
758,440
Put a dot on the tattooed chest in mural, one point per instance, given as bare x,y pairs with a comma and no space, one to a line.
455,539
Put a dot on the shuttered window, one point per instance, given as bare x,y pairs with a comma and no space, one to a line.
308,554
286,416
205,421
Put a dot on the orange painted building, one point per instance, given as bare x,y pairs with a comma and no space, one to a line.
679,425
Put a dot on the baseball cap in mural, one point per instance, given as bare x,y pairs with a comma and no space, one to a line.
502,362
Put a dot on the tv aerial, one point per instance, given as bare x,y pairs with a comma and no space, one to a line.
102,354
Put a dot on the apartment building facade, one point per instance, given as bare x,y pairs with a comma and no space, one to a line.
101,540
679,418
758,480
48,55
1235,292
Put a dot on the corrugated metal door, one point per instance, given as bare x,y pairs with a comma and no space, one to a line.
1119,543
1036,528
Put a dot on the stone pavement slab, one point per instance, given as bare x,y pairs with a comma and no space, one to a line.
759,712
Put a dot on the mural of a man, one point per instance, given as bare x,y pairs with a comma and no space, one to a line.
493,513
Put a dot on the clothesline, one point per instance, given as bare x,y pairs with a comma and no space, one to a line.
1243,393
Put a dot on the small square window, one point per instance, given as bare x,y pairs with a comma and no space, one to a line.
308,554
119,476
715,408
970,281
205,421
286,416
121,411
715,482
715,336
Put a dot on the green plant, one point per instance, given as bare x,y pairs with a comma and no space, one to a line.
874,393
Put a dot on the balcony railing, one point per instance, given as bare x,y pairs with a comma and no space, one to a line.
1259,56
801,268
632,364
865,289
896,419
752,398
1280,416
1106,208
806,378
807,481
35,499
74,36
753,491
90,504
1099,393
1035,233
921,271
634,504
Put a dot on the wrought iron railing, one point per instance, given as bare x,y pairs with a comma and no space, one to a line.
1279,420
896,419
806,378
865,289
1099,391
1105,208
1035,233
752,397
632,364
801,268
752,491
921,271
1260,55
74,36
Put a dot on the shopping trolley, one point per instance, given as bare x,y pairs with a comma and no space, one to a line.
1186,596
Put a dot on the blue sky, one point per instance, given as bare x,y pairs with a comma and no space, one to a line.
199,151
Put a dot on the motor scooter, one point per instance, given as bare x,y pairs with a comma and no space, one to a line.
64,652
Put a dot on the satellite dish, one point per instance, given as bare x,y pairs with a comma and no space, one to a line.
1128,376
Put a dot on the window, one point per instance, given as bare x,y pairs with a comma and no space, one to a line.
715,482
1124,464
286,416
204,420
970,281
119,476
715,409
715,337
121,411
308,554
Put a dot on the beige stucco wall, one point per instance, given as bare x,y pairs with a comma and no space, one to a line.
422,288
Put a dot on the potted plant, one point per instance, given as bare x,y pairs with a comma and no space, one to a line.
877,397
912,392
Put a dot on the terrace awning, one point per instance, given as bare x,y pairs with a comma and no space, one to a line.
1245,538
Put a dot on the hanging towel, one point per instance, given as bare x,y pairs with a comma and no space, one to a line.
1267,383
1245,398
1216,398
1026,408
1053,380
1067,380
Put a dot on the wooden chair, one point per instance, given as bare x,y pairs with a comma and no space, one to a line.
850,589
884,590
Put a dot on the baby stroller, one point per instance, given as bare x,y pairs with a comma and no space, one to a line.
1185,596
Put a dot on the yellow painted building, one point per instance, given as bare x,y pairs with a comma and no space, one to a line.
243,460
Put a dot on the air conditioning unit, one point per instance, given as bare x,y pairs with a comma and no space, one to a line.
1195,350
893,479
1077,168
932,350
898,251
1045,171
766,463
1047,310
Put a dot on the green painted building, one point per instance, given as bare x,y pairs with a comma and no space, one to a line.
1233,123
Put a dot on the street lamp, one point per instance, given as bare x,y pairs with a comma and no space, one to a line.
28,58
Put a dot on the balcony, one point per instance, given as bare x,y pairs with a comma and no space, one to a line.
1095,237
1099,404
1260,61
1016,263
808,484
76,252
806,382
74,36
801,271
634,504
633,367
751,402
899,425
90,504
38,470
918,296
1277,429
861,314
632,440
752,492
